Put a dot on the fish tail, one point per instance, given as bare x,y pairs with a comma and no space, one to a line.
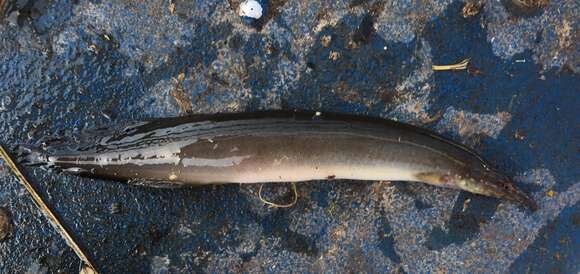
31,155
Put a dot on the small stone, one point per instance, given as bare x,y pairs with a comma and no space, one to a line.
269,48
171,7
181,77
93,49
5,224
115,208
466,204
5,102
12,18
108,114
251,9
253,12
325,40
334,55
519,135
471,9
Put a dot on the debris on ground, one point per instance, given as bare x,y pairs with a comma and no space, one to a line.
471,8
459,66
5,224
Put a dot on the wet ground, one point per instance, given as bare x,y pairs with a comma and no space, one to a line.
67,66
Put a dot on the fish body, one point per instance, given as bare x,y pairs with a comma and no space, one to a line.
280,147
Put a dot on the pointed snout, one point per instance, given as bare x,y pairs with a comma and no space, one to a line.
517,195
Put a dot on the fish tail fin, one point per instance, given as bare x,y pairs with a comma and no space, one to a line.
30,155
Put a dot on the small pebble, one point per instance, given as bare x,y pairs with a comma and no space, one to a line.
519,135
325,40
5,224
471,9
93,49
251,8
107,114
253,12
466,204
334,55
115,208
12,18
5,102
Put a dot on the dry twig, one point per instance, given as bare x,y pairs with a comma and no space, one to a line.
45,209
459,66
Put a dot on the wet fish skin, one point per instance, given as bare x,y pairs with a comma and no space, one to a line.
278,147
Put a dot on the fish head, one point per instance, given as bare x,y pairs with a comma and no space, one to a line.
480,180
488,182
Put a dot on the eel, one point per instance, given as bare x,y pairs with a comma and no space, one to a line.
276,146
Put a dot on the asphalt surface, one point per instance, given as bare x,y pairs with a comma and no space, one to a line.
70,66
